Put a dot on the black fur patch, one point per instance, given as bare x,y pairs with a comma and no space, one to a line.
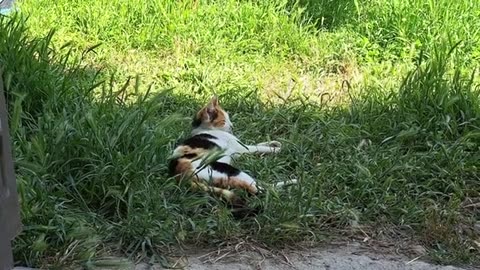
196,122
213,115
241,209
225,168
201,141
239,212
189,156
172,167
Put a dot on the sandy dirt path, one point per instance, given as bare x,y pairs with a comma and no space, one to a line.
345,257
338,258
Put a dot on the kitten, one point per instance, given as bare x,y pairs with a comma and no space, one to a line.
205,158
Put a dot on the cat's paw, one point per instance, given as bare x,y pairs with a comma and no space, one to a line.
275,146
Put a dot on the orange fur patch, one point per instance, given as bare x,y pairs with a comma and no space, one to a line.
234,182
220,120
183,168
204,117
185,149
221,192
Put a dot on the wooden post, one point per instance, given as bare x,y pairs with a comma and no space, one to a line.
10,224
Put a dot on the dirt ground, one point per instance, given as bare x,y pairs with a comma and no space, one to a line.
347,257
352,256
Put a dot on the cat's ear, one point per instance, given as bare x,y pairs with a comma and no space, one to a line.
211,108
213,101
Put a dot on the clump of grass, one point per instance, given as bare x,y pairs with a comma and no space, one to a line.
328,14
91,147
448,103
403,26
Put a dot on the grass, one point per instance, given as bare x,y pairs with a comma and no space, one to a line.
393,151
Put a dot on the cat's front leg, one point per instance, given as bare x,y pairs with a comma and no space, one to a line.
263,148
276,145
270,147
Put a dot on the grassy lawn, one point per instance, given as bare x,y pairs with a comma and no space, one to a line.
376,102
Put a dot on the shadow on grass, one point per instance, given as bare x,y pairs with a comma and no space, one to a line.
91,165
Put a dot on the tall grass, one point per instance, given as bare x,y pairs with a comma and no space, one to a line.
213,28
91,147
400,29
403,26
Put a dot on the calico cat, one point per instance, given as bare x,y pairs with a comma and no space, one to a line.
205,158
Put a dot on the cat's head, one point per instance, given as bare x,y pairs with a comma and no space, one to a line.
212,116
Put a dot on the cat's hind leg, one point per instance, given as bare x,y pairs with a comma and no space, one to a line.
225,180
224,175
